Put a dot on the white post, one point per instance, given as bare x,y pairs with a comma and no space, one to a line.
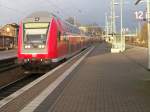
115,48
113,23
106,25
139,28
148,26
121,25
113,20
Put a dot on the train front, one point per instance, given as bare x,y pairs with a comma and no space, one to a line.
32,43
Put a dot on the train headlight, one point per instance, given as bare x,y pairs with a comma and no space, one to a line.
41,46
27,46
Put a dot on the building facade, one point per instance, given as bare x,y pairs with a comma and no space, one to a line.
8,36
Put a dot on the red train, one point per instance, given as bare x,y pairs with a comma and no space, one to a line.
45,39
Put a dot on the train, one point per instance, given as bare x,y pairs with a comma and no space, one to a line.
45,39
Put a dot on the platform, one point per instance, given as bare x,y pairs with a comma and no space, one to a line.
105,82
8,54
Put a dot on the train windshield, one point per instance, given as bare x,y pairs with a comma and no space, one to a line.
35,33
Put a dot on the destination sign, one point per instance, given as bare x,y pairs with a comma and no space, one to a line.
36,25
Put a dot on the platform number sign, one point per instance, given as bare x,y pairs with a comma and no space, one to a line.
139,15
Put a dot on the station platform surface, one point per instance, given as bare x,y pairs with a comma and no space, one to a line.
8,54
106,82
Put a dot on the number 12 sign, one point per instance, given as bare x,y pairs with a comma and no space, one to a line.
139,15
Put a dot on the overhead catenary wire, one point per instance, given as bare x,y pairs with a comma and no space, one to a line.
57,9
60,11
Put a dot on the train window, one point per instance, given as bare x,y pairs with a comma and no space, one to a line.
35,33
35,36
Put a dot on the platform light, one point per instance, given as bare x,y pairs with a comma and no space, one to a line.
116,3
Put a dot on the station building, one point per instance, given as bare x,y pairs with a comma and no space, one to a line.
8,36
93,31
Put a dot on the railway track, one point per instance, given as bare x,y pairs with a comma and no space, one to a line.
13,87
12,77
7,64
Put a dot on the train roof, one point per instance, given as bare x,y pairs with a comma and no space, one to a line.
44,16
40,16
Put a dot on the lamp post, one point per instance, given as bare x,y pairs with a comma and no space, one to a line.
117,47
121,27
113,27
113,21
106,25
148,26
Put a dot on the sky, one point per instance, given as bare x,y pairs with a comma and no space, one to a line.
85,11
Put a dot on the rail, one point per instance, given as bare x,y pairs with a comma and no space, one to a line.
7,64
